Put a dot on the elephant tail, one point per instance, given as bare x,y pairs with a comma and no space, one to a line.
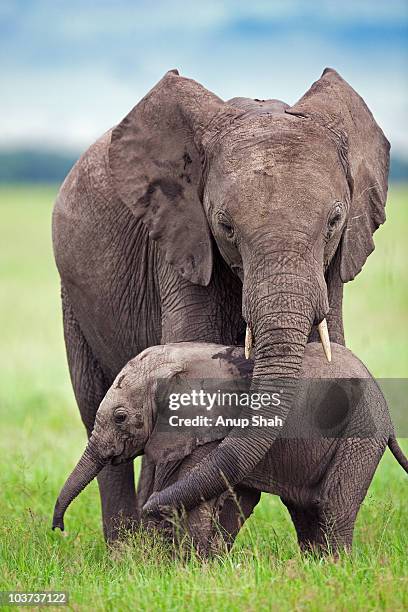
397,452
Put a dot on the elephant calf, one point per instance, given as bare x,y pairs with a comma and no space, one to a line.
321,464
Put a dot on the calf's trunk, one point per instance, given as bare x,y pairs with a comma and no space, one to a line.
87,468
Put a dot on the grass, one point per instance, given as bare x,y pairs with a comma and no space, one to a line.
42,437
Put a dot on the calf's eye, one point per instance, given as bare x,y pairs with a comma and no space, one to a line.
120,415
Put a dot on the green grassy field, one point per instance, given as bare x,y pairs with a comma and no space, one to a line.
42,437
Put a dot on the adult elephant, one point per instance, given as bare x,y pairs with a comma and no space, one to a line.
195,214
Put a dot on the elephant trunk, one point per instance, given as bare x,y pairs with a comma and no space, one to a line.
87,468
281,311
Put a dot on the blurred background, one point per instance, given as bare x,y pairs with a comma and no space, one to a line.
70,71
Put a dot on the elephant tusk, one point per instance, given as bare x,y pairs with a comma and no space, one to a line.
324,337
248,342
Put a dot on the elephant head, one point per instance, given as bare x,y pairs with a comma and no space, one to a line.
283,193
122,426
127,423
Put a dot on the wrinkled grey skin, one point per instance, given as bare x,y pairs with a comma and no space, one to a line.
321,464
194,214
213,525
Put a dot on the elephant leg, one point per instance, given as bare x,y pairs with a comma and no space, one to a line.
116,483
231,512
323,530
345,486
118,500
328,525
307,525
326,528
212,526
145,485
337,527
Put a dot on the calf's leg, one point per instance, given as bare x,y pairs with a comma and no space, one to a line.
213,525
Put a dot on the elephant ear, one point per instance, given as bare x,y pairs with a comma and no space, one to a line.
165,445
365,150
154,157
175,442
221,370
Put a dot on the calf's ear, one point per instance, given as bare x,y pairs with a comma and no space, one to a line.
213,370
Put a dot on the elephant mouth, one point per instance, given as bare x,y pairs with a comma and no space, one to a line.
119,459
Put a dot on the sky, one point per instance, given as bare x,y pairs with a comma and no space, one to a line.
72,69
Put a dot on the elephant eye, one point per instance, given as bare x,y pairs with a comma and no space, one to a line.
226,227
334,219
120,415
